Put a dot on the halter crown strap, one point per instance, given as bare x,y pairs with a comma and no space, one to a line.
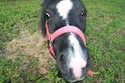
62,30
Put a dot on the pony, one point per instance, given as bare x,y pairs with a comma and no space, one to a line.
64,24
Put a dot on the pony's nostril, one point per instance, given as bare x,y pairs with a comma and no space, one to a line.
83,68
62,57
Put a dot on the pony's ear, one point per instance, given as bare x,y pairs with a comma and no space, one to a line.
45,4
42,23
42,18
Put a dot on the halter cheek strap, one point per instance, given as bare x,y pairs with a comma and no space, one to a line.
60,31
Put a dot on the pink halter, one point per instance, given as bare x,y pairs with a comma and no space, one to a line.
62,30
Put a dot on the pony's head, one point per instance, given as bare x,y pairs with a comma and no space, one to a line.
69,48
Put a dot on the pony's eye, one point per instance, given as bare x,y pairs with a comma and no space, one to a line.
82,13
48,15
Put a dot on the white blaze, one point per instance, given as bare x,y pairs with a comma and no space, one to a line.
77,62
63,8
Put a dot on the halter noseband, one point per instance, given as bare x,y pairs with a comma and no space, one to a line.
60,31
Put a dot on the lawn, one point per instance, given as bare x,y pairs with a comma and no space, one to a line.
21,52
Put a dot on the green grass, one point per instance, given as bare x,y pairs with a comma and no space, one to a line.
105,36
14,17
105,39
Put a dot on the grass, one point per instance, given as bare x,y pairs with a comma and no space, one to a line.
105,36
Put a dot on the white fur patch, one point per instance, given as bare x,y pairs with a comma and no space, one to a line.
77,62
63,8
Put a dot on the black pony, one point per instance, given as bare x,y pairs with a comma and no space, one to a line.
69,48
